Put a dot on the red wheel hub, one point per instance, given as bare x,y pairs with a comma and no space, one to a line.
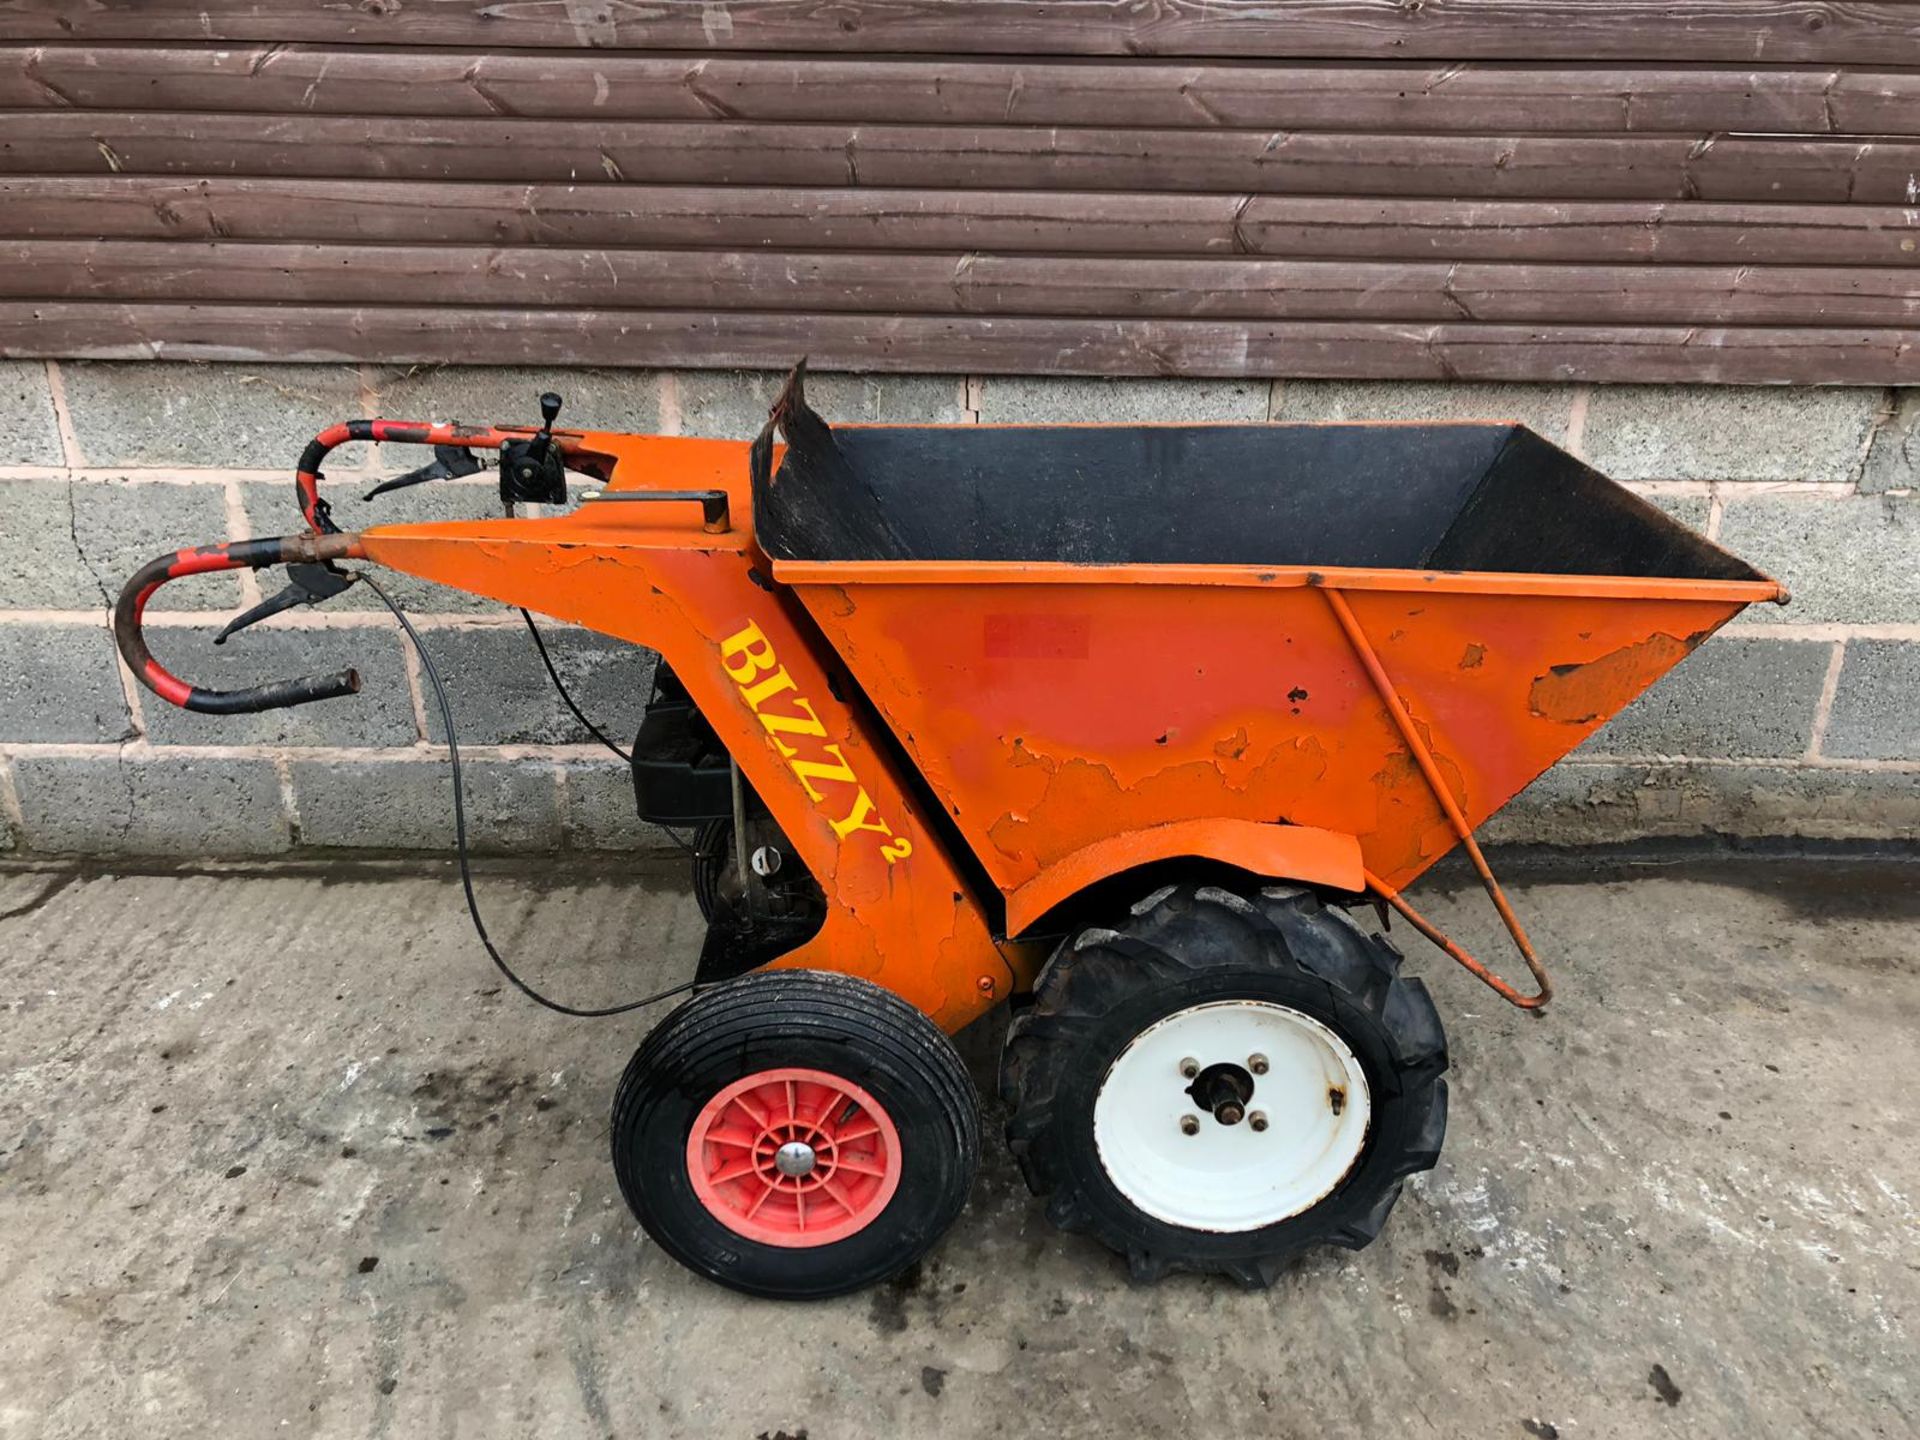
794,1157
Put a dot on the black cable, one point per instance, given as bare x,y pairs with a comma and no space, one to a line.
460,835
561,685
597,733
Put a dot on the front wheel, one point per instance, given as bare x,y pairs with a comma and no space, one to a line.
796,1134
1224,1080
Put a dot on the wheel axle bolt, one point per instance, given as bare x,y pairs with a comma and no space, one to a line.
1229,1114
1189,1067
1257,1064
1258,1119
1189,1125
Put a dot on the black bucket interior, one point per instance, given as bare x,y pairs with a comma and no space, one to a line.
1480,496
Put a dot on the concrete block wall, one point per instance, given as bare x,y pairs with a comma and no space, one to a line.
1798,722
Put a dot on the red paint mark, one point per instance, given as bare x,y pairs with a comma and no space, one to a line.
1037,637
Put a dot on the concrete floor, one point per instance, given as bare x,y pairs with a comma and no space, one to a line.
278,1157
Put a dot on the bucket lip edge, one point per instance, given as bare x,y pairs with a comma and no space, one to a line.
1276,577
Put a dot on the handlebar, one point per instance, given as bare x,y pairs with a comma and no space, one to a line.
238,555
401,432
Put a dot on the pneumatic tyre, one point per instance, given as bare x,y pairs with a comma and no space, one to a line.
1225,1080
796,1134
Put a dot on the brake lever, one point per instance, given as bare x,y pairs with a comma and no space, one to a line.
311,585
449,462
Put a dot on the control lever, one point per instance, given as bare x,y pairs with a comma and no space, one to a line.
449,462
312,584
533,471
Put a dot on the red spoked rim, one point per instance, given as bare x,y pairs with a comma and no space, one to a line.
851,1155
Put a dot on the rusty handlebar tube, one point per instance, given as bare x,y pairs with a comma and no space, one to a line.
237,555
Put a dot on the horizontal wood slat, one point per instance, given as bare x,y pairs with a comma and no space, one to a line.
972,344
969,283
1604,232
1740,31
1447,97
1285,162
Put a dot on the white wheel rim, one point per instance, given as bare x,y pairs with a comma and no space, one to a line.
1311,1096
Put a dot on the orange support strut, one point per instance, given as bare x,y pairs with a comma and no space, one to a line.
1423,757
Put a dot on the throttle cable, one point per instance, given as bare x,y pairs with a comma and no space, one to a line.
432,673
560,685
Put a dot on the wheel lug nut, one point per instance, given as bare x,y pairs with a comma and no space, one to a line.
1257,1064
1258,1119
1189,1125
1189,1067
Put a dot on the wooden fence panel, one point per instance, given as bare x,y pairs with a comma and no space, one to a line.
1020,345
1005,222
1385,96
1240,287
1736,31
1497,166
1717,190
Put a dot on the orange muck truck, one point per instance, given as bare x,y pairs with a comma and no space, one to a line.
1114,723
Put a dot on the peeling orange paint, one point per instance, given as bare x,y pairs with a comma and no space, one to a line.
1582,693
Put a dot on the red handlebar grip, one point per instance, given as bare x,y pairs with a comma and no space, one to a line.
239,555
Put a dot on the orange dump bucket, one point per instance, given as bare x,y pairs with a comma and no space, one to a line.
1397,629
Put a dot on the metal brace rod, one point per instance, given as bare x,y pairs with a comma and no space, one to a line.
1423,757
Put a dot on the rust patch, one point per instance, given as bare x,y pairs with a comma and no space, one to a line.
1471,657
1581,694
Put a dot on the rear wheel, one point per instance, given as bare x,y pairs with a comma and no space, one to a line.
1225,1080
796,1134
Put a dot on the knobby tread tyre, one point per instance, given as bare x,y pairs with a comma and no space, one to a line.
846,1027
1184,946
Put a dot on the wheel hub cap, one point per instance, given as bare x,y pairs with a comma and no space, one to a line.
794,1157
1168,1118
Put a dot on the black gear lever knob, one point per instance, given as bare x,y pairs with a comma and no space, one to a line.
533,471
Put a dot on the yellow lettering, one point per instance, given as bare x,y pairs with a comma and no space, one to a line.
747,657
767,689
856,818
778,724
810,770
751,649
793,724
